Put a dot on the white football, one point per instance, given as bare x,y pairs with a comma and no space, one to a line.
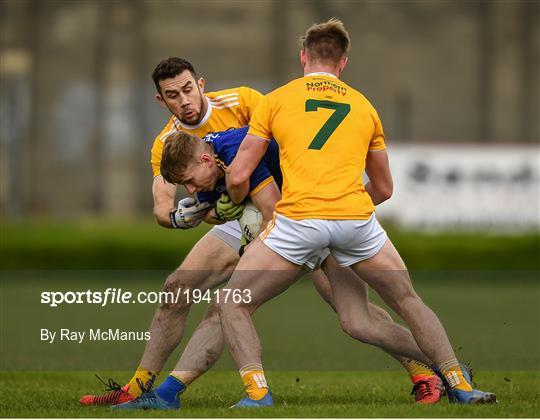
250,221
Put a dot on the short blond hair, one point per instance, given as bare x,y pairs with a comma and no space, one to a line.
326,42
179,150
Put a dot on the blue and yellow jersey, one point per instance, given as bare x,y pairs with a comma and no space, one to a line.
229,108
226,145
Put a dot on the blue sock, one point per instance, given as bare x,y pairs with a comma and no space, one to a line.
169,388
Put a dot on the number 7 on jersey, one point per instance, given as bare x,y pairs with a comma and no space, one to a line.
339,114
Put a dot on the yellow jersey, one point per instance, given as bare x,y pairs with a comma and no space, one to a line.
229,108
324,129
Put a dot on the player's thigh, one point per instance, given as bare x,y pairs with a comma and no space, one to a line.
209,263
364,246
386,273
319,278
274,261
263,273
323,287
349,291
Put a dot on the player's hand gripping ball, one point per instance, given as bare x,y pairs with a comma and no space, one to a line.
227,210
189,213
251,221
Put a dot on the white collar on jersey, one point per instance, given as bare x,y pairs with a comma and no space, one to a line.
321,73
201,122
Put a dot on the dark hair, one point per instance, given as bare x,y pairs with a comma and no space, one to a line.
170,68
327,41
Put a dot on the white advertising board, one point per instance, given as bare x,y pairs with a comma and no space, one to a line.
464,186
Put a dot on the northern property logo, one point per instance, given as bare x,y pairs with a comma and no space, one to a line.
326,85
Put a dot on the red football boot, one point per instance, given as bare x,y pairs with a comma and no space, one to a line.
116,395
427,389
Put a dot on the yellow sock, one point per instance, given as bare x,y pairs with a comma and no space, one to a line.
143,378
254,381
416,369
452,372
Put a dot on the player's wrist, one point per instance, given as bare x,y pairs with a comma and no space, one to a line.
172,217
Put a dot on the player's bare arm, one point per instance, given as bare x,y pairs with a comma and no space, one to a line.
188,214
249,155
266,200
164,194
380,185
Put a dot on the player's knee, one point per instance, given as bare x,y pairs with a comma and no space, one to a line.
225,309
406,302
229,309
397,293
361,331
212,314
379,314
175,294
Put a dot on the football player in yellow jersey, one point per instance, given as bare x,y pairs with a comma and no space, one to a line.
328,134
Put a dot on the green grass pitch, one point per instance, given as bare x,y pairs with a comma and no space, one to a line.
296,394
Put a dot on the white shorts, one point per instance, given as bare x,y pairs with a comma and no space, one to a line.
303,242
228,232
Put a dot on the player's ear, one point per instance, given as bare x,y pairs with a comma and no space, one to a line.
343,63
200,82
160,100
303,58
206,158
